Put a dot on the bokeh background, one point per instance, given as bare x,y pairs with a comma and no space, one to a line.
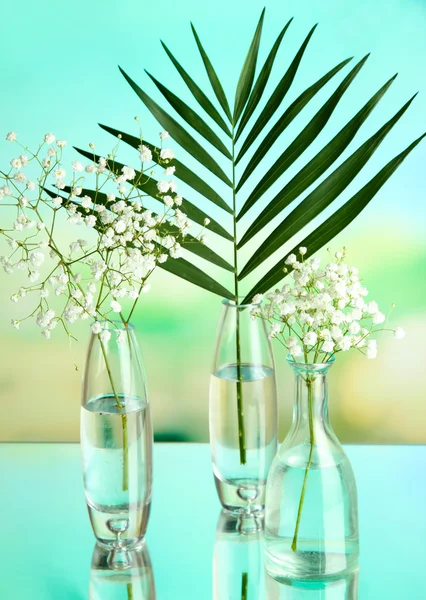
59,73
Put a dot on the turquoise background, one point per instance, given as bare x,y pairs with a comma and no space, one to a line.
59,73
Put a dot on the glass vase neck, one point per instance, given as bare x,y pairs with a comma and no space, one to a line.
238,306
117,325
310,408
313,369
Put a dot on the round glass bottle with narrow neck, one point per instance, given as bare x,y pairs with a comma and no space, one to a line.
243,409
311,520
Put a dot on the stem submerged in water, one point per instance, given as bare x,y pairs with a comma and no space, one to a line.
308,466
129,591
123,422
240,407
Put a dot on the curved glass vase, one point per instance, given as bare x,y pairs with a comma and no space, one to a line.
311,519
243,410
116,438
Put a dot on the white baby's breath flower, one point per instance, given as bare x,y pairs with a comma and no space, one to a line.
378,318
90,220
328,346
399,333
372,349
163,186
11,136
115,306
77,166
274,331
128,173
164,135
167,154
310,339
302,250
105,336
296,351
57,202
145,154
36,259
49,138
86,202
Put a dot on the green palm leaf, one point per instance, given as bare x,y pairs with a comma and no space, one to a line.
301,143
261,82
191,117
276,98
334,224
246,79
288,116
214,79
186,270
315,168
178,132
150,188
182,172
198,94
318,200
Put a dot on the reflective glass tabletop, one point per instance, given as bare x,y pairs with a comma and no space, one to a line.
193,551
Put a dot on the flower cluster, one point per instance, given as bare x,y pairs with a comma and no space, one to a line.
118,242
323,311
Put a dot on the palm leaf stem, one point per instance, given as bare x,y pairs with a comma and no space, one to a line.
240,407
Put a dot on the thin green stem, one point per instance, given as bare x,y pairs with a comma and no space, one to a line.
240,407
244,586
129,591
308,466
123,422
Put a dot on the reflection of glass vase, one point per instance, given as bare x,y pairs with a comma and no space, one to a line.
238,571
243,410
311,520
345,588
116,438
133,579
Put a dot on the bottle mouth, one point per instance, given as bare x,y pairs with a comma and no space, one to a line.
310,367
232,304
116,325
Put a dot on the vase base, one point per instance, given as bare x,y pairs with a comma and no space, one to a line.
241,496
304,566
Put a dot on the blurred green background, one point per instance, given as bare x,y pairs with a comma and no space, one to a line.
59,73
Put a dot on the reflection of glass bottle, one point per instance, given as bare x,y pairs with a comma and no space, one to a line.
238,571
311,520
132,578
345,588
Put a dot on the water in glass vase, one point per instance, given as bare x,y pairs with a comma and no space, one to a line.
241,487
327,537
117,446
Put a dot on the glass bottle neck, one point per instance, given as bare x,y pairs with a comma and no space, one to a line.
310,408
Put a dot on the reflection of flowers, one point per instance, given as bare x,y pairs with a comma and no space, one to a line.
323,312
